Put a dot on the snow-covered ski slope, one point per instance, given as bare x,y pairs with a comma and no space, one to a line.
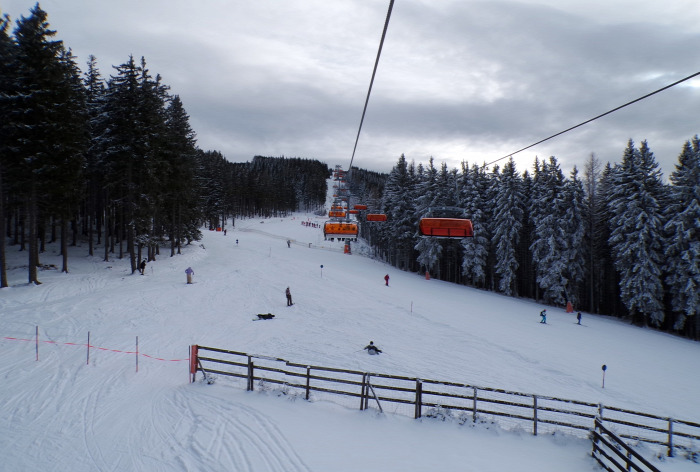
61,413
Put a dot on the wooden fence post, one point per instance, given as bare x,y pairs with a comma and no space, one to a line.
534,415
193,362
308,380
250,374
419,398
474,407
670,437
363,392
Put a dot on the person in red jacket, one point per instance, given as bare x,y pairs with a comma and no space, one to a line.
386,279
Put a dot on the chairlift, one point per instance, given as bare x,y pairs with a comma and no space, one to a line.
342,231
446,222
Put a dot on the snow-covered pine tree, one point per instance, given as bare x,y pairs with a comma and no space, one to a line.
550,242
683,250
398,205
574,229
94,184
593,240
63,173
135,142
120,142
636,237
607,280
452,252
526,272
430,195
475,199
152,150
37,106
180,193
507,224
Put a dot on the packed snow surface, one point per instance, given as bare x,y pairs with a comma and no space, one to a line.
67,412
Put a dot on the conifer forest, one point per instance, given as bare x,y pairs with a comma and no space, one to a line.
111,161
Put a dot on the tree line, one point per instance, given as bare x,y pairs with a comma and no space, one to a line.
615,241
114,161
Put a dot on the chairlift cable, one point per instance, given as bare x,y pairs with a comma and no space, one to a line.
595,118
374,72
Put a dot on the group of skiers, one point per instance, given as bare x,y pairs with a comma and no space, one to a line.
543,317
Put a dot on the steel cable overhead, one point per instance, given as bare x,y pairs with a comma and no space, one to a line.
595,118
374,72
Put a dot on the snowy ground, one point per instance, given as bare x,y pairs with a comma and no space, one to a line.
61,413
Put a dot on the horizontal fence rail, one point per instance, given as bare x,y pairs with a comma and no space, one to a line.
423,397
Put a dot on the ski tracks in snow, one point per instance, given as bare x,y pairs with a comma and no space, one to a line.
205,432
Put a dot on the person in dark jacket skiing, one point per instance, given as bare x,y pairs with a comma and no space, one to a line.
142,266
289,297
578,317
543,314
372,349
386,279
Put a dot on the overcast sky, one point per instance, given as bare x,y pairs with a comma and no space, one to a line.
458,80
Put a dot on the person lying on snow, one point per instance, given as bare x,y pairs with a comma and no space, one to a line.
372,349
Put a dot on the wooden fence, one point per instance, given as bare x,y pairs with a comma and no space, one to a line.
423,397
613,454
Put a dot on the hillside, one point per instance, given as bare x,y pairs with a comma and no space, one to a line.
61,413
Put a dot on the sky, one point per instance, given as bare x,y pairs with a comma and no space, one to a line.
457,80
66,409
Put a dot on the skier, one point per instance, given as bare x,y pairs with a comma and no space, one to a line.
224,231
386,279
142,266
543,314
289,243
289,297
372,349
578,317
189,273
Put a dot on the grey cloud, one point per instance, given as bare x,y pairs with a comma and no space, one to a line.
456,79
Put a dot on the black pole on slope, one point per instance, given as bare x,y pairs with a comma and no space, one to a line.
605,367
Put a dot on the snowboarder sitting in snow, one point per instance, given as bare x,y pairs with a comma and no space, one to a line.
372,349
289,297
142,266
543,314
265,316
